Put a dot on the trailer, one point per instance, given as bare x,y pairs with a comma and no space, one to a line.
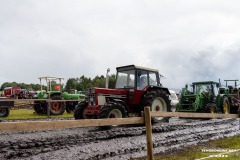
5,107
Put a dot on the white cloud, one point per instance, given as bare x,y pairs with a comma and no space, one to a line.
186,40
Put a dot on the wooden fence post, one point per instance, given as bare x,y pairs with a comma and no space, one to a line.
148,125
48,109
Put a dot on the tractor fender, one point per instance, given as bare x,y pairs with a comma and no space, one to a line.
121,102
55,94
158,87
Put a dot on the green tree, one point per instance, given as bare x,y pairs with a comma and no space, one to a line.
71,84
112,81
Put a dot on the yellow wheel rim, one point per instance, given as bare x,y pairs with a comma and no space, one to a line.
212,110
225,107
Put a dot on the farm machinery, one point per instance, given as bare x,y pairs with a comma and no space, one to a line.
232,93
207,97
136,87
56,107
4,107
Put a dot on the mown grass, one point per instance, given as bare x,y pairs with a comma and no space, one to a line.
203,150
23,114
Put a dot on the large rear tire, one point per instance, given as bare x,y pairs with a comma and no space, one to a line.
40,107
4,112
57,108
158,100
80,111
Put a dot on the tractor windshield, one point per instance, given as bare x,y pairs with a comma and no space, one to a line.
211,88
125,79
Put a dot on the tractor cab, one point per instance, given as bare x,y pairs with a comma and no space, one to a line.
136,77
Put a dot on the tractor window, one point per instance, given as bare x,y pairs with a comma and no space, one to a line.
207,88
142,79
125,79
152,78
215,89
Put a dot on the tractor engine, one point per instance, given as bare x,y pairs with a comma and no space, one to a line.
97,97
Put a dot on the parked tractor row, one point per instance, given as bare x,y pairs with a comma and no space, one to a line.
40,105
209,97
137,87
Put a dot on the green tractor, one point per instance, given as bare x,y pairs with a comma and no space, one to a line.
204,98
232,93
56,108
78,96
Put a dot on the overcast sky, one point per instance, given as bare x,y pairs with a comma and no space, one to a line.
187,40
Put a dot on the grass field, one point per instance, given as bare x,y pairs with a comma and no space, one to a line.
18,114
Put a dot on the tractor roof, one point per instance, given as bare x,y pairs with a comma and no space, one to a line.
205,82
132,67
232,80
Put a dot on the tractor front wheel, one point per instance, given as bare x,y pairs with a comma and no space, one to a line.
80,111
225,107
112,110
211,108
4,112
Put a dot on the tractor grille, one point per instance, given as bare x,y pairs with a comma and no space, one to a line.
91,100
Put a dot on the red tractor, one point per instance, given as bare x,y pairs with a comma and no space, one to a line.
136,87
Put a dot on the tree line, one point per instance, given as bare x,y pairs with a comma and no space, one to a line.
79,83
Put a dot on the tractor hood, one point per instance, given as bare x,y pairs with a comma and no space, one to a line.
96,90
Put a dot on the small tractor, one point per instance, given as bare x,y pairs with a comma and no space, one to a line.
136,87
204,98
56,108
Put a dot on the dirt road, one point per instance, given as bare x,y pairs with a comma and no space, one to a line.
118,143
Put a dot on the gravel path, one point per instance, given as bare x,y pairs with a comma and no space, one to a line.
117,143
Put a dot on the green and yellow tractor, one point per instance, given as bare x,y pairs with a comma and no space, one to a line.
204,97
232,93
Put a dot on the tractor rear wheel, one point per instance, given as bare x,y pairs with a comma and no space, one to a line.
57,108
80,111
4,112
211,108
158,100
225,106
112,110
